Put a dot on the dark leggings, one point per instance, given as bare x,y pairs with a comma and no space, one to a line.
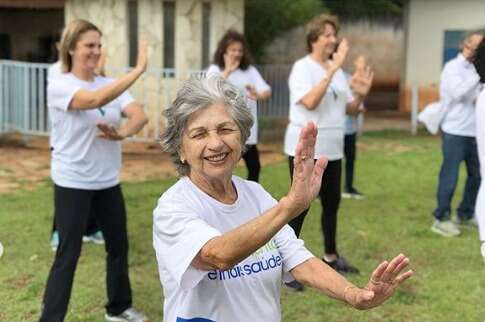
251,157
350,153
91,227
330,200
72,208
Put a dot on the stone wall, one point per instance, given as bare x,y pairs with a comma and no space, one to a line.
381,44
110,16
154,90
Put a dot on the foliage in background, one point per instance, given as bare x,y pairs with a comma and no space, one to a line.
358,9
266,19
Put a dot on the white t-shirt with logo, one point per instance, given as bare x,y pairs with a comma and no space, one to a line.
184,220
80,159
329,115
241,78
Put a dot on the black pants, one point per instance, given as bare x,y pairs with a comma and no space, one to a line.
91,227
72,208
330,199
251,157
350,154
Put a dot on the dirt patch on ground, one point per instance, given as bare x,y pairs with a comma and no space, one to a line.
23,165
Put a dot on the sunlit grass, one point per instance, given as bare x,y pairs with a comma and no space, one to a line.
398,174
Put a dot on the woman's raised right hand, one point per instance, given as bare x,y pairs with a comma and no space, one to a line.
307,174
230,64
341,53
142,59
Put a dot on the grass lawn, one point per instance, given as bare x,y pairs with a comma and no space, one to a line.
398,174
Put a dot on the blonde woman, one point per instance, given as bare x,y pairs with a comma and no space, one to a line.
85,112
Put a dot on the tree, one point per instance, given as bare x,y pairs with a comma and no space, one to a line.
266,19
357,9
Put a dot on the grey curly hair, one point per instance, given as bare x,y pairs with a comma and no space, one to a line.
195,94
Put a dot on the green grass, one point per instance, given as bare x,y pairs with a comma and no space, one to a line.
398,174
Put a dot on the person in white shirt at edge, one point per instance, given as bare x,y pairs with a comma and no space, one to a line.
352,123
233,61
85,112
93,231
320,93
222,243
459,89
479,63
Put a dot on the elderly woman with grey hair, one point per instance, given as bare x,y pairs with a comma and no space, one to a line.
222,243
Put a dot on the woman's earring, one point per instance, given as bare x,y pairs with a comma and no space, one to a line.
182,160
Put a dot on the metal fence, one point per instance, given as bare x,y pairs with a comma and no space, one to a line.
23,105
23,99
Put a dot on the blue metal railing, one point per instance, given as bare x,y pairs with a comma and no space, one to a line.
23,99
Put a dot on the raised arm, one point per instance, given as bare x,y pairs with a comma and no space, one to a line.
86,99
136,121
258,90
311,100
383,282
225,251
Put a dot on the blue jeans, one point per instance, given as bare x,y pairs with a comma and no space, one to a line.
457,148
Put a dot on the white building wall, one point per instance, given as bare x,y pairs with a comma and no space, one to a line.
427,22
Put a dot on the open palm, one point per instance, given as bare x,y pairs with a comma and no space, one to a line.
307,173
361,81
384,281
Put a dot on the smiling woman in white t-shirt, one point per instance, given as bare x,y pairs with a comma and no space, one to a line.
320,93
85,111
233,61
222,243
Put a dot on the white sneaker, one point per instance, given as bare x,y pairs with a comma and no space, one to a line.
467,223
445,228
128,315
96,238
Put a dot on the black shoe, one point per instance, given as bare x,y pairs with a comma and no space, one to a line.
342,266
295,286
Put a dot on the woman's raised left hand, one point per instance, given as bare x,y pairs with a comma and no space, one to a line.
361,81
142,58
384,281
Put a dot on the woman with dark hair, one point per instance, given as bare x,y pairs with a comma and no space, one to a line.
320,93
233,62
85,112
479,62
